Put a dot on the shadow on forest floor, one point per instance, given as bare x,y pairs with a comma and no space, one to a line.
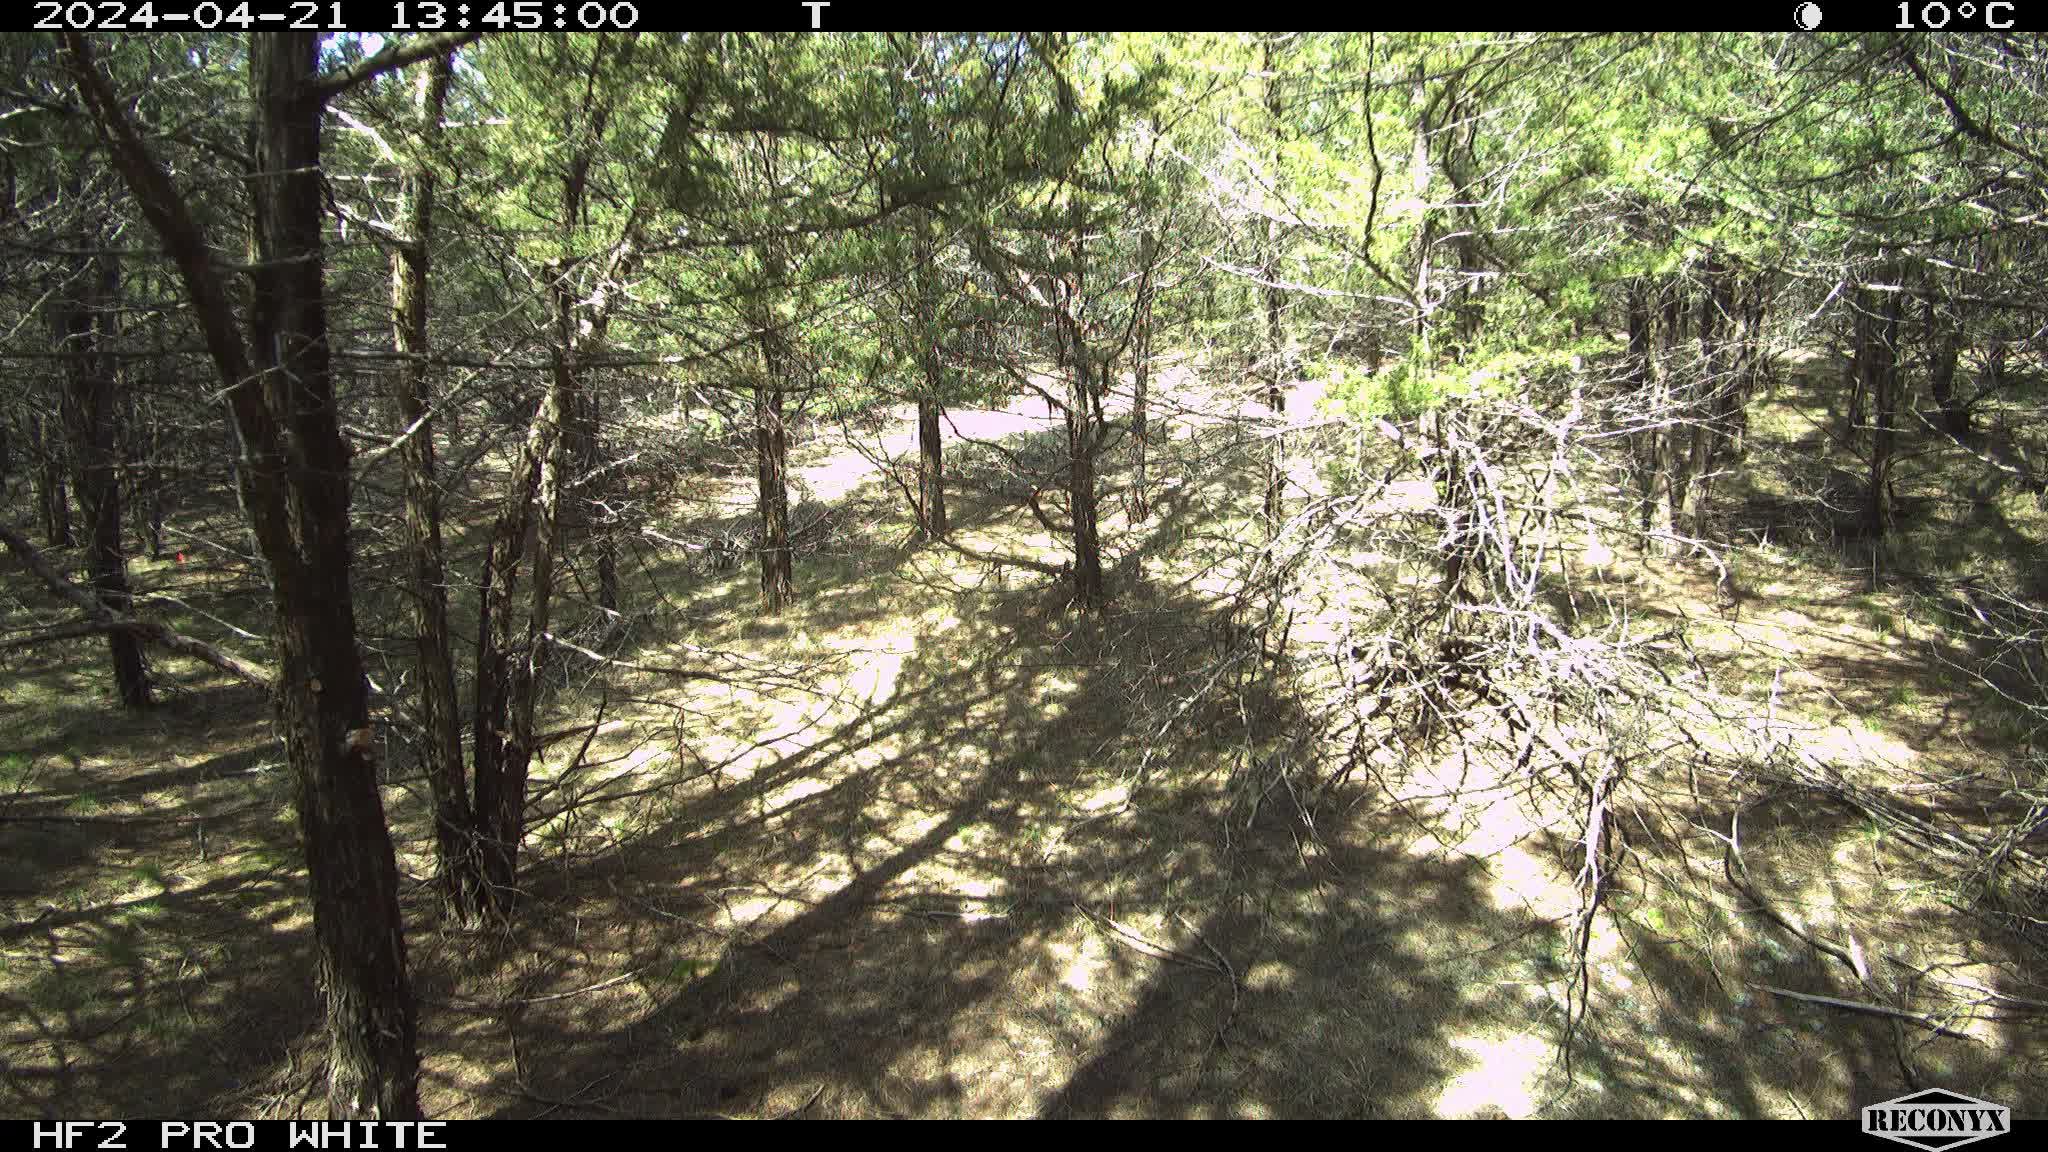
925,847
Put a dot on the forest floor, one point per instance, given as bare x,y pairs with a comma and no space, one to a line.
920,846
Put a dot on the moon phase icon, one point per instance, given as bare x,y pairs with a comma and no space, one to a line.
1807,16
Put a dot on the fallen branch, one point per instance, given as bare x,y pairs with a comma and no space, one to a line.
1867,1009
106,619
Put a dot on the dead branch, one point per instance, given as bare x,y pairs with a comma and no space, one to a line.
106,619
1867,1009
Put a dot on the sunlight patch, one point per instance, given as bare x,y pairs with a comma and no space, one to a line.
1078,966
797,791
1112,795
1521,879
1503,1077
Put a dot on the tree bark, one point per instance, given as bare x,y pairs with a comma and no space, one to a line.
1667,481
84,328
1642,379
499,808
146,444
1141,376
1710,395
508,814
1881,373
1083,436
931,460
294,483
931,471
771,463
1087,575
458,866
1944,346
1279,366
52,493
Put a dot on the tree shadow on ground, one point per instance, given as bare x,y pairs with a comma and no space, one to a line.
154,961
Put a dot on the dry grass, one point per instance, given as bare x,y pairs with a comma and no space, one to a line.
900,860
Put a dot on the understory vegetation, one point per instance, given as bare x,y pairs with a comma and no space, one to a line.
968,574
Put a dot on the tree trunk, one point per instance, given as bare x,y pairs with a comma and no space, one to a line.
146,441
84,326
1882,376
1944,346
1643,456
1667,478
458,867
1419,176
295,490
322,698
508,816
1141,376
1863,334
1082,421
53,496
931,471
1710,395
771,461
500,801
931,461
1279,366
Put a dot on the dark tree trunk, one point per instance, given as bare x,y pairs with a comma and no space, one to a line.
146,447
84,327
322,699
52,493
1641,335
1882,378
1711,395
508,814
771,474
1944,346
1141,377
1083,437
458,866
1753,306
1864,334
931,470
1279,366
294,482
1668,474
931,460
1425,237
499,809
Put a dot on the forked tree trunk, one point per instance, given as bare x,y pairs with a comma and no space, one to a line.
500,801
295,489
529,663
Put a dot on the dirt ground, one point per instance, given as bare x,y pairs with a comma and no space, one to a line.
917,850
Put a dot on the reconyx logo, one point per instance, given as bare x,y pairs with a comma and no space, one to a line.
1936,1119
